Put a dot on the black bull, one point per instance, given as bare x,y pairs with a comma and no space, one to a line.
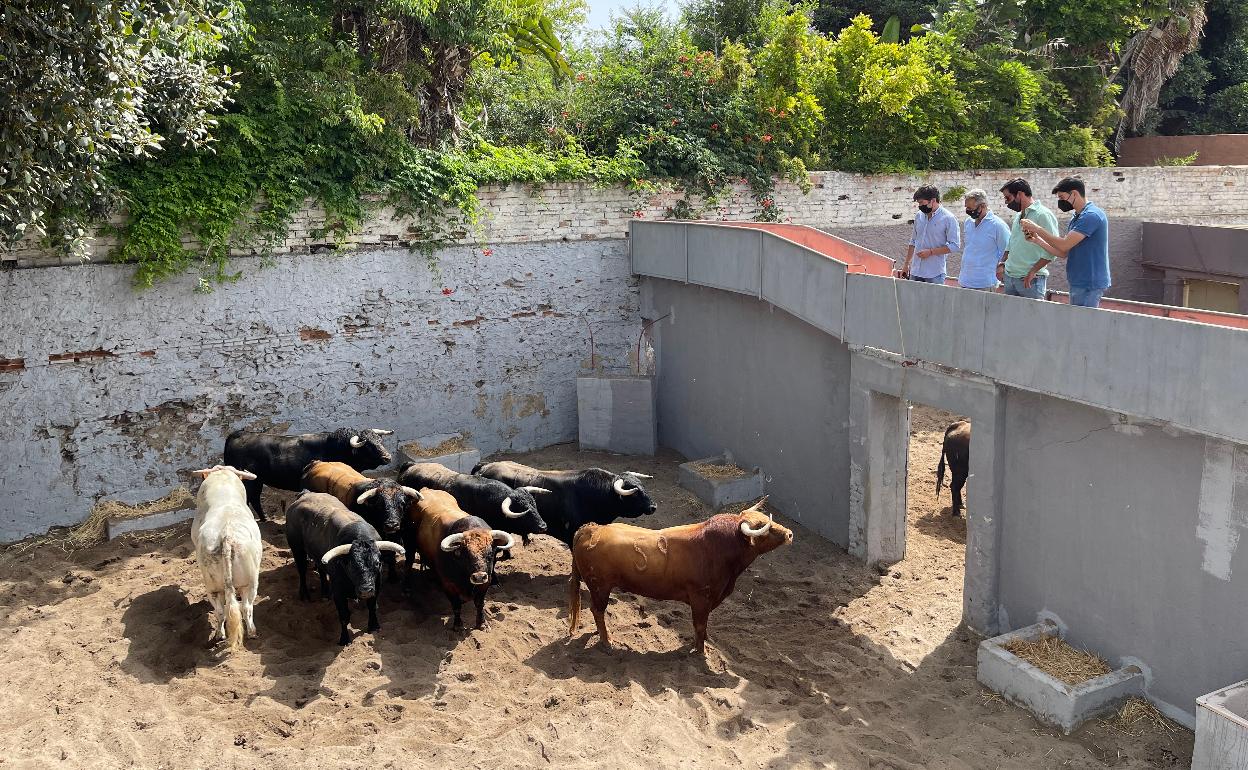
957,449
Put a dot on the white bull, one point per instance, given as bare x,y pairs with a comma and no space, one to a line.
227,547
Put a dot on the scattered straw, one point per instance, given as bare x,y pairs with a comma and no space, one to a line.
1137,716
450,446
720,470
1058,659
94,529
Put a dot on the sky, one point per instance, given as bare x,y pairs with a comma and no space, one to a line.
600,10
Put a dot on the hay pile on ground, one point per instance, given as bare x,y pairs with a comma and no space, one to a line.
93,530
449,446
720,470
1137,717
1058,659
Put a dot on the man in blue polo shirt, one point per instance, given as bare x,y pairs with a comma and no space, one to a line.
1085,247
935,238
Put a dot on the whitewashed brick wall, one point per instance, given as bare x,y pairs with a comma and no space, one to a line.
570,211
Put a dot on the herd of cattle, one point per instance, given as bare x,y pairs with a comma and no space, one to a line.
348,526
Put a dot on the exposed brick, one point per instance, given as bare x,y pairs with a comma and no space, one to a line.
309,333
12,364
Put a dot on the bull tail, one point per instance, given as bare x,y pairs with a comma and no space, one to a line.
233,614
574,597
940,470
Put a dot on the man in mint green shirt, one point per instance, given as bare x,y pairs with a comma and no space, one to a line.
1024,266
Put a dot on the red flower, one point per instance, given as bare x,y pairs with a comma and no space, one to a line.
638,214
686,73
487,252
766,137
580,76
782,114
714,126
772,110
447,292
675,121
684,58
563,114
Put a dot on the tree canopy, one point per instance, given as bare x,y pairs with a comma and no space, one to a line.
219,118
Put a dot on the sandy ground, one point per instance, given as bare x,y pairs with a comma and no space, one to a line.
815,661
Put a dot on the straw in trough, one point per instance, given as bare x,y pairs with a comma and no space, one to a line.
719,470
1058,659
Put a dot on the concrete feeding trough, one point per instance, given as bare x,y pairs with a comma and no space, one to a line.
1222,729
617,413
1052,701
145,509
718,481
449,449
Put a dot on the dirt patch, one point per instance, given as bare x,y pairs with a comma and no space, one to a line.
449,446
1053,656
720,470
814,661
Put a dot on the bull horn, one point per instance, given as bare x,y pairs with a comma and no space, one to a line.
507,509
244,475
451,542
750,532
367,494
505,536
386,545
537,490
638,475
335,552
412,493
620,490
356,442
381,432
203,474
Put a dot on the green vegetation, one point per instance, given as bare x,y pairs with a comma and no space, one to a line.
217,119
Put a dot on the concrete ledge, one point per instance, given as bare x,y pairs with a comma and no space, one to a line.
426,450
1222,729
115,527
718,492
618,413
1051,700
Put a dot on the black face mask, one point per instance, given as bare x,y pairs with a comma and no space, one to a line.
1065,205
1014,205
926,209
973,213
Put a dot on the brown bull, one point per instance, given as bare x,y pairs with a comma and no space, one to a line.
697,564
460,549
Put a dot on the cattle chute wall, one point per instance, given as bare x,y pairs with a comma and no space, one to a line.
1129,423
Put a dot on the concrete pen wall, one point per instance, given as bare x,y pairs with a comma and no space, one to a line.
1109,463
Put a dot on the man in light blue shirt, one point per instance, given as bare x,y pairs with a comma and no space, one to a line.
984,240
935,238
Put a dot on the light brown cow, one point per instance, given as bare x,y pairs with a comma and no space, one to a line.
697,564
459,548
